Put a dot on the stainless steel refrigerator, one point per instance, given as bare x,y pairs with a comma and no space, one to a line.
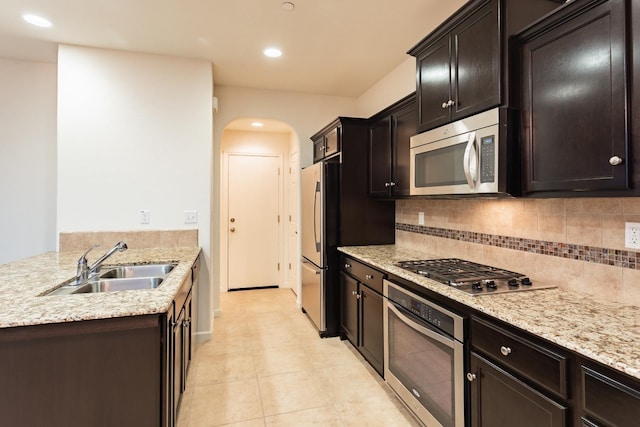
319,201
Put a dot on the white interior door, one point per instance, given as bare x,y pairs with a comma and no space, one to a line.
253,221
294,201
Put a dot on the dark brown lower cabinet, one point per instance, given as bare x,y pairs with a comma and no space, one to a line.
608,398
89,373
362,320
498,399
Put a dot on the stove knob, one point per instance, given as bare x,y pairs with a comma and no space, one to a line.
476,286
490,284
526,281
513,283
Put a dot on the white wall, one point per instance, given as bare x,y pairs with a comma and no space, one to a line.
27,159
394,86
135,132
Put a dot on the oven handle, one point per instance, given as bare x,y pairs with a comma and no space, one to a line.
424,330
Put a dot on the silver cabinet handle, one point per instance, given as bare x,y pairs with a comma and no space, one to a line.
368,277
358,296
615,161
470,376
445,105
354,293
448,104
389,184
505,351
347,266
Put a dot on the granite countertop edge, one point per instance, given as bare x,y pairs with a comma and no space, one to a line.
25,283
606,332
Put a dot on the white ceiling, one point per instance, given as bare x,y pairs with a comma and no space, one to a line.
331,47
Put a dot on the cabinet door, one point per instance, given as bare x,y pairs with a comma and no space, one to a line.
477,62
349,308
371,328
178,357
499,399
332,142
318,149
380,158
575,103
187,338
434,82
405,125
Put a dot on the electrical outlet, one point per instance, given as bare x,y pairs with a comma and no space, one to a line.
632,235
145,216
190,217
420,218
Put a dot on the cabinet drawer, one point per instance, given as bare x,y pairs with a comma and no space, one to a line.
541,365
608,400
363,273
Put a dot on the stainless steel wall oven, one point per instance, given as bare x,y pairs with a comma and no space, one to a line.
424,356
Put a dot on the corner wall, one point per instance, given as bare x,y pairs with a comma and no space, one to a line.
135,132
27,159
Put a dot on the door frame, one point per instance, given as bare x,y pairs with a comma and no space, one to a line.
224,214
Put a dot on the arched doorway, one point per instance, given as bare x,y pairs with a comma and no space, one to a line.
243,145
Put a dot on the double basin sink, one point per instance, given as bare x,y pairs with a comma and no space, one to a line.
120,278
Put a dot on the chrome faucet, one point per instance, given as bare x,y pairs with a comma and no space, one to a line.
84,270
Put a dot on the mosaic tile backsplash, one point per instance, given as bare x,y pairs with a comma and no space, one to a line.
574,243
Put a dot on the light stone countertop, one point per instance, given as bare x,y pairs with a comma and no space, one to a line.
603,331
23,284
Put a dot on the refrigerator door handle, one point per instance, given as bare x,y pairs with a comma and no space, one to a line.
316,197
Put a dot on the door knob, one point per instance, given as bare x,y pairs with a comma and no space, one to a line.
232,220
232,229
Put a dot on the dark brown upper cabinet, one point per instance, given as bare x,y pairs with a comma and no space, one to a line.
388,149
574,100
461,67
327,144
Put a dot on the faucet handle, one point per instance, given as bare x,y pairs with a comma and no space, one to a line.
83,258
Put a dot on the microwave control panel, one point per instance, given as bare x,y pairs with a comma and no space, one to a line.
487,159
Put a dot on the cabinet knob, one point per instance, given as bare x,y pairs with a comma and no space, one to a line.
615,161
448,104
505,351
471,376
354,293
358,296
392,184
387,184
368,277
445,105
347,266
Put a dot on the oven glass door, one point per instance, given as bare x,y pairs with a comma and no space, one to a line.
424,361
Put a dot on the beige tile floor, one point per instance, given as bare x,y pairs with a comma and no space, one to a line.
266,366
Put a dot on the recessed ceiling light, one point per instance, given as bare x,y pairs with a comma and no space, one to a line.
273,52
36,20
257,124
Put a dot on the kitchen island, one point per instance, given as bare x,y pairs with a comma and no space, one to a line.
108,358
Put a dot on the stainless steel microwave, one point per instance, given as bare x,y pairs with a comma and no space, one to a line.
466,157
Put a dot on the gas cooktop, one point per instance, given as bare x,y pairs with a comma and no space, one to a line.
471,277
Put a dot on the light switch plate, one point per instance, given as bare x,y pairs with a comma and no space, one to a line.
190,217
632,235
145,216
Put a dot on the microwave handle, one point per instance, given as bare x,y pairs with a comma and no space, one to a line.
471,170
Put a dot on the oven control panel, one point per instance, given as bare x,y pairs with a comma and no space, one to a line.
423,309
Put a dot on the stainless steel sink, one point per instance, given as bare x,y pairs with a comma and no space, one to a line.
120,278
111,285
147,270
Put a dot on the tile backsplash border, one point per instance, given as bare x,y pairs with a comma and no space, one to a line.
598,255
